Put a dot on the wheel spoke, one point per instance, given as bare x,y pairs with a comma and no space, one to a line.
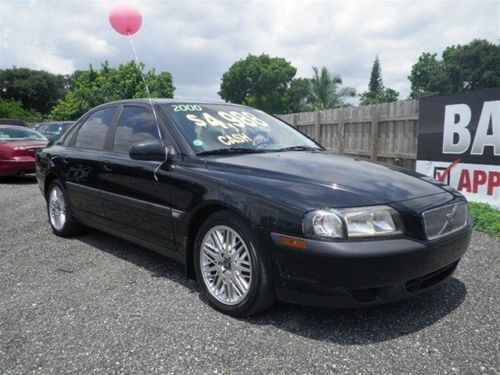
240,289
211,246
238,267
229,290
232,244
218,284
244,263
209,253
228,242
216,241
238,249
225,238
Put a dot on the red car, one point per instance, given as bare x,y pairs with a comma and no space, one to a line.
18,147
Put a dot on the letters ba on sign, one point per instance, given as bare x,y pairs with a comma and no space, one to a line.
459,143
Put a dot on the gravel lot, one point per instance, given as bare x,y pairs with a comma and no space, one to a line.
97,304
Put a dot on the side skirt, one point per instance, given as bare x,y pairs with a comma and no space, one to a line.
101,226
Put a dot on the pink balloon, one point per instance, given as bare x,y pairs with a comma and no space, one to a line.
125,19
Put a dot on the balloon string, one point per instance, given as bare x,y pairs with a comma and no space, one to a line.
137,62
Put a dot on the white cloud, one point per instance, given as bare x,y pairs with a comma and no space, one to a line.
199,40
95,46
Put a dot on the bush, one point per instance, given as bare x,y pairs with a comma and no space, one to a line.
14,109
486,218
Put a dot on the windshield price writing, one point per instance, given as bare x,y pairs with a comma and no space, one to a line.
233,119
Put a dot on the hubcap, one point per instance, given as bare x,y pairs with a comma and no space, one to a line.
57,208
225,265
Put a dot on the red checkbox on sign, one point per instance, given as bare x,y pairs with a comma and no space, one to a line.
443,174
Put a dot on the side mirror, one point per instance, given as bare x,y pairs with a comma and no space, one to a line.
151,150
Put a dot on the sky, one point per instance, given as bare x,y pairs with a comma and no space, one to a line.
197,41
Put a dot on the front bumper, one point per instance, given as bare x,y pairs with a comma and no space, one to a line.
363,273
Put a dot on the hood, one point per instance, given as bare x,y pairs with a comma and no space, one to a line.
352,181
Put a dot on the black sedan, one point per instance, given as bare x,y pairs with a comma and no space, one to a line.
254,209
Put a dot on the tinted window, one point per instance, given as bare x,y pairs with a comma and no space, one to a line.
92,133
136,124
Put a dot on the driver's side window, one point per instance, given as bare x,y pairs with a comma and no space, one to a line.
136,124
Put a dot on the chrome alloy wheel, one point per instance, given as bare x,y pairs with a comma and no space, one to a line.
57,208
225,264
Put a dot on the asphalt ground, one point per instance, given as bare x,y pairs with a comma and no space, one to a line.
98,304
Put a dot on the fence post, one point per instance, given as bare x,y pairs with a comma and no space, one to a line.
340,132
294,120
317,127
374,133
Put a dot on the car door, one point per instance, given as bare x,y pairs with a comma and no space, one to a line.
80,162
134,202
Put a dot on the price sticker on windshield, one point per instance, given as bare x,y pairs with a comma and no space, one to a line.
227,120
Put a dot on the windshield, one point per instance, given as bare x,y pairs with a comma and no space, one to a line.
224,127
18,133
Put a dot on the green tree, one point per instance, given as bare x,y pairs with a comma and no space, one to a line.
325,91
259,81
36,89
14,109
71,79
376,86
427,76
97,86
462,68
390,95
377,93
299,96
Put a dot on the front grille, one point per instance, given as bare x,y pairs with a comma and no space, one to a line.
444,220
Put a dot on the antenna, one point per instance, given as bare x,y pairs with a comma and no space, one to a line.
138,64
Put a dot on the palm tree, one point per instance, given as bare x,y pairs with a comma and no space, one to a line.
325,90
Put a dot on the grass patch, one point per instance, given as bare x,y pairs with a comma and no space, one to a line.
486,218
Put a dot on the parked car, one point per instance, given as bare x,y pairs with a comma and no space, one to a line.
11,121
253,208
53,130
18,147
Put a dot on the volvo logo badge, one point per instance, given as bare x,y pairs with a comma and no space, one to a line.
449,219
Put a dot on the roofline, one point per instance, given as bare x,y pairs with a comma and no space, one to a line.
169,101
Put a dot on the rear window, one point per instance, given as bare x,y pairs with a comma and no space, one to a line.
19,133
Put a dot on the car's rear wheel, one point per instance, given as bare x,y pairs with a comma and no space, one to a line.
58,209
230,266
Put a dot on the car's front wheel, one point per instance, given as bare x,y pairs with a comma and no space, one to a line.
61,221
230,266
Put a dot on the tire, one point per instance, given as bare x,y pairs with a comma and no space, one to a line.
241,266
58,207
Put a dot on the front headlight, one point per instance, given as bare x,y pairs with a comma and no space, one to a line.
352,222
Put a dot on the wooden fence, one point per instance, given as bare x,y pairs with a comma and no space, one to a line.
385,132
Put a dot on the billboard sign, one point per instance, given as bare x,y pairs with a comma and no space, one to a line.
459,142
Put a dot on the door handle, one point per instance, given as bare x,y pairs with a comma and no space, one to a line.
106,166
